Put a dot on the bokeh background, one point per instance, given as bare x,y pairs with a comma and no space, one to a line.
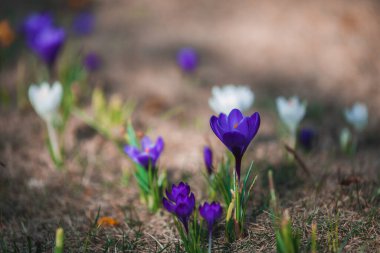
324,51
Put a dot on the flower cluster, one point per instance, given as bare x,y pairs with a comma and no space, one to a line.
180,201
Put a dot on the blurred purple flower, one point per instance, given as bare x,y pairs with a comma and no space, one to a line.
34,23
306,138
181,202
47,43
211,213
149,153
92,62
187,59
236,132
207,156
83,23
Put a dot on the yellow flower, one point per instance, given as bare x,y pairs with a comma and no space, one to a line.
7,35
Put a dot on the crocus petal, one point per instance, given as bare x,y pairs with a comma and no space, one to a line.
47,43
146,143
132,152
149,153
57,93
146,160
243,127
254,124
169,195
183,209
215,127
234,118
181,190
35,22
207,156
168,206
159,145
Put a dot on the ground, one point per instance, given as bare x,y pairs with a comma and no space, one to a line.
324,51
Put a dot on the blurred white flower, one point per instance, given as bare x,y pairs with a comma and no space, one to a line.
229,97
357,115
45,99
291,112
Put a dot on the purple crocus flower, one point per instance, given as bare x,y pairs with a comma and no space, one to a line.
34,23
83,23
181,202
207,156
92,62
211,212
187,59
236,132
306,137
149,153
47,44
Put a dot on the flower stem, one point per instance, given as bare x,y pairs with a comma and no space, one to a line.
238,204
186,226
53,142
209,241
238,166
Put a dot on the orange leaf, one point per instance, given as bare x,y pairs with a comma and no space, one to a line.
6,34
107,221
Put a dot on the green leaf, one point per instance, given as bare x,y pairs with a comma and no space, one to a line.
131,135
142,178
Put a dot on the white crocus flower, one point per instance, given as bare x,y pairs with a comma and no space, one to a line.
357,115
229,97
291,112
45,99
